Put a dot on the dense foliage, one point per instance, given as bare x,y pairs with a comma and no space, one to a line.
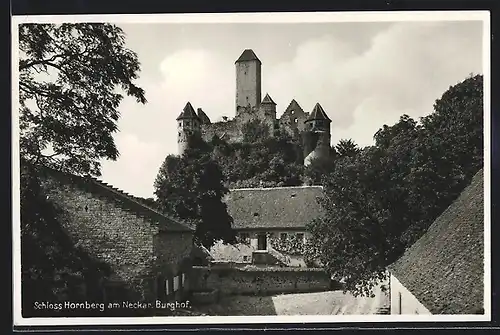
68,80
191,187
382,199
265,161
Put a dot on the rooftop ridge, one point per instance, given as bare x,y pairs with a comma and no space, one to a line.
133,198
115,191
275,188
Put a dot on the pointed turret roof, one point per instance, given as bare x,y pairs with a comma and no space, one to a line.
268,100
187,113
203,116
248,55
318,113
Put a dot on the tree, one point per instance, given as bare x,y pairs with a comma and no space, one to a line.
254,131
266,162
381,200
68,76
346,148
192,188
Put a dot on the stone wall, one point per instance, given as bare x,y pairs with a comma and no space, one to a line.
130,244
259,281
230,129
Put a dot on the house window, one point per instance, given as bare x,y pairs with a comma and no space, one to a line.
167,287
283,237
295,120
183,281
300,237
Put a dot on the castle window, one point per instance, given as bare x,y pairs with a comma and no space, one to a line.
179,133
295,120
283,237
293,112
180,123
300,237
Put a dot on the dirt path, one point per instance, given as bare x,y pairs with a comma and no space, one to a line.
321,303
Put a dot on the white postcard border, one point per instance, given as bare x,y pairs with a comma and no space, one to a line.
301,17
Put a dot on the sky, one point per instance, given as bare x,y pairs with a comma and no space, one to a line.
364,74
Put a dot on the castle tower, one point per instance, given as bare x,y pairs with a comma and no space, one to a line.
188,124
316,135
248,80
268,106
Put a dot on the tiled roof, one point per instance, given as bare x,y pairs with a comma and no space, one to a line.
187,113
248,55
267,100
122,199
280,207
444,268
318,113
203,117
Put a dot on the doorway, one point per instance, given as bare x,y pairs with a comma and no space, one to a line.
261,241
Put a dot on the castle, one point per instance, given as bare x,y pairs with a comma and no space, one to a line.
314,127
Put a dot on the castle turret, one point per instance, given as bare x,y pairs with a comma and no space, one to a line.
188,124
268,106
248,81
316,135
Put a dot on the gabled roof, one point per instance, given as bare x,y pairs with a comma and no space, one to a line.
187,112
267,100
279,207
444,269
318,113
121,199
248,55
293,105
203,117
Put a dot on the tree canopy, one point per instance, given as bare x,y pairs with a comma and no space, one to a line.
261,160
69,81
381,200
69,77
191,187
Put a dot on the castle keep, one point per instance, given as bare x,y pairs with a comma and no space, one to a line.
314,127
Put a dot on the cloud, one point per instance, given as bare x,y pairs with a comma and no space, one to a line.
403,69
137,166
148,133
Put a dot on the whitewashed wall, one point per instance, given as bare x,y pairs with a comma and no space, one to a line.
403,301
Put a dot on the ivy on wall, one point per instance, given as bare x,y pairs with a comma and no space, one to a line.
292,244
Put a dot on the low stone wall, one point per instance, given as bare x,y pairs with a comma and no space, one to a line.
259,280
